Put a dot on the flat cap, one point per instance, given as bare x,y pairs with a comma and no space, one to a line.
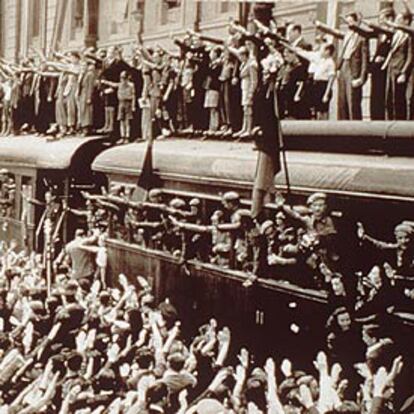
316,197
155,192
266,226
403,228
231,196
177,203
210,406
194,202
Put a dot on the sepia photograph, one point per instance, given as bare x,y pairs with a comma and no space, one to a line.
206,207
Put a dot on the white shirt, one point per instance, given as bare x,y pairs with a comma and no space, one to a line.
7,91
324,69
321,68
101,257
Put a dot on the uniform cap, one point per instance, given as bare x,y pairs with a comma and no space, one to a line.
177,203
280,215
316,197
403,228
266,226
155,192
194,202
37,306
257,376
71,287
231,196
210,406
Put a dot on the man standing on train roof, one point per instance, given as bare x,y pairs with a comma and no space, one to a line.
399,254
398,66
352,67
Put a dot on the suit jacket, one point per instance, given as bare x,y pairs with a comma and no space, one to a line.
358,58
86,86
400,57
381,52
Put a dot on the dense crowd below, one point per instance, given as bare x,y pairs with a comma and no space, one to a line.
213,87
82,346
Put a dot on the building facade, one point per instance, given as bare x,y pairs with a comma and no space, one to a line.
74,24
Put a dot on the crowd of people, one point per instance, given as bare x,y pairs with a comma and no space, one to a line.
84,346
308,237
213,87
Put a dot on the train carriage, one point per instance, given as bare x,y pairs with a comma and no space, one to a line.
368,180
31,166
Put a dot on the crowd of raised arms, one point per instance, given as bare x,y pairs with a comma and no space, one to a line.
213,87
82,346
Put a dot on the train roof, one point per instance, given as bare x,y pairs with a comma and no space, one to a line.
235,164
36,152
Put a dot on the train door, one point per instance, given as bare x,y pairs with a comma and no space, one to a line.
284,324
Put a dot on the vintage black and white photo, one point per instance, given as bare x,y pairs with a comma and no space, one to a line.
206,206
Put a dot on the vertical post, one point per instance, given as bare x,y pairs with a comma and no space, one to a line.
197,16
18,29
90,22
332,20
43,25
48,248
1,26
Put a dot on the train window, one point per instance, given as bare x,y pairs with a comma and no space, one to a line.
7,194
26,214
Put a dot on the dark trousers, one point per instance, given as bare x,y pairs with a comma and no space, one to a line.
349,98
410,96
377,98
396,99
26,107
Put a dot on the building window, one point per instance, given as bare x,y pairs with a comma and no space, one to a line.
172,4
170,12
224,7
78,15
121,11
35,19
8,195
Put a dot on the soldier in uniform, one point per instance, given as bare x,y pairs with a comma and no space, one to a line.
319,224
399,254
7,194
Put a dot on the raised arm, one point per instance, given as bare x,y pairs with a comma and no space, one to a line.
329,30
